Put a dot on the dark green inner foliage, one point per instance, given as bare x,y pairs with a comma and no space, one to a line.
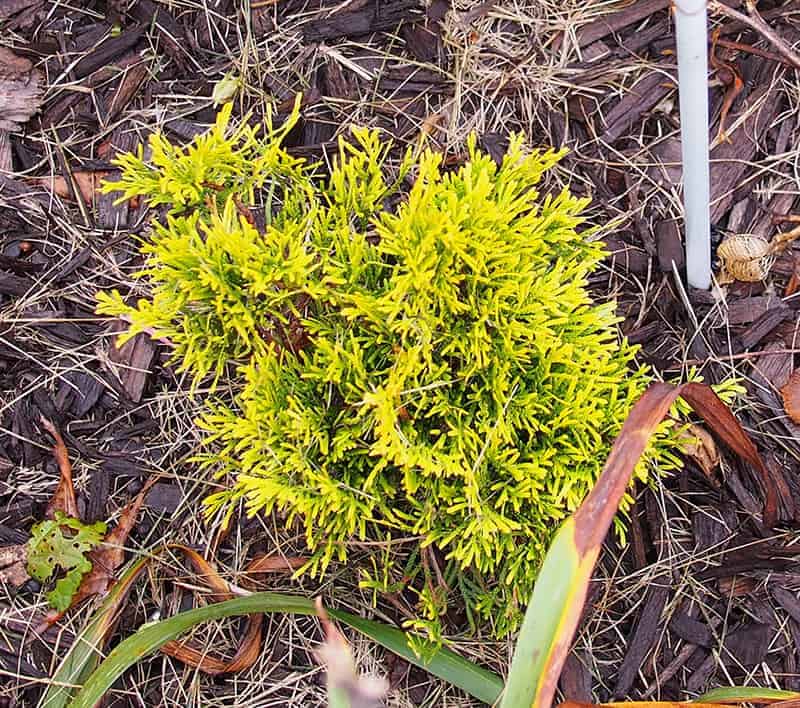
416,358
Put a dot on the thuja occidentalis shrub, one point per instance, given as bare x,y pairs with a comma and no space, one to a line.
415,354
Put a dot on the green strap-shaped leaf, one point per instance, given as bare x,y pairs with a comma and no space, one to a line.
747,694
444,664
560,592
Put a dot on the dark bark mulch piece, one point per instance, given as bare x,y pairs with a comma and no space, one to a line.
691,630
108,51
640,99
788,601
766,323
364,18
14,285
99,487
642,639
10,536
671,252
424,38
170,33
608,24
575,681
748,644
134,358
728,159
745,310
164,497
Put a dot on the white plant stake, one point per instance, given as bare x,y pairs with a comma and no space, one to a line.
692,41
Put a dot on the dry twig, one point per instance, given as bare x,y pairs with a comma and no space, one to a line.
757,23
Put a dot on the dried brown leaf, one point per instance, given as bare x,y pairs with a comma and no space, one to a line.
110,554
64,497
87,184
275,563
700,446
249,647
790,393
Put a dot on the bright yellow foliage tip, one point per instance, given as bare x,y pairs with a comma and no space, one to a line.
414,356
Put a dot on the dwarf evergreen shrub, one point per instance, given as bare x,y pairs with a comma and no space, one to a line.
418,361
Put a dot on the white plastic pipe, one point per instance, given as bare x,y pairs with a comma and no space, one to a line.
691,30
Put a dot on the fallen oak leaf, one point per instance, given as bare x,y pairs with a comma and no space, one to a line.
63,498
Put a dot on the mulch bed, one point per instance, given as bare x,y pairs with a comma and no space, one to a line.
700,596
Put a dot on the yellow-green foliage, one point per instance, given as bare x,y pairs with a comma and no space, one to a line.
420,361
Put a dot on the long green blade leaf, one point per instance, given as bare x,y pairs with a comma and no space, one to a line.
746,694
560,591
445,664
85,653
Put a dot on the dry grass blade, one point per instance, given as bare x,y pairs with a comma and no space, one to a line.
63,498
560,591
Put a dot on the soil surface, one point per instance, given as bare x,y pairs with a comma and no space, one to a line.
700,595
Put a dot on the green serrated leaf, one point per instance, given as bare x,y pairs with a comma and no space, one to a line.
62,543
60,596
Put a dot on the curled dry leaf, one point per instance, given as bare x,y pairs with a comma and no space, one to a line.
790,392
699,444
748,258
64,497
249,647
110,554
86,183
729,75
